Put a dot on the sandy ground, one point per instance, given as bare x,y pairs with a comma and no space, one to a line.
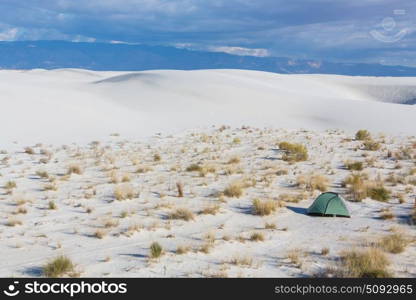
51,212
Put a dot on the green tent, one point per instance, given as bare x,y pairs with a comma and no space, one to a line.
329,204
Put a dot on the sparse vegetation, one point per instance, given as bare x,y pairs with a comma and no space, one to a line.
156,250
58,267
354,166
124,191
394,243
257,237
182,214
263,207
364,263
362,135
74,169
293,152
234,189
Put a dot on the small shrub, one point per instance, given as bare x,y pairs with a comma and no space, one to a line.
58,267
263,208
182,214
182,250
270,226
293,152
210,210
42,174
371,145
10,185
234,189
362,135
29,150
325,251
394,243
74,169
100,234
156,250
157,157
236,140
124,191
179,186
194,168
313,182
242,261
367,263
354,166
257,237
52,205
234,160
379,193
13,222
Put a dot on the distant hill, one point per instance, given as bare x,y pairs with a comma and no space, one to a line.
124,57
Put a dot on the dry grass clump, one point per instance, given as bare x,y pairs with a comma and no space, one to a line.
29,150
313,182
234,160
42,174
239,260
58,267
354,166
52,205
325,251
270,226
379,193
394,243
124,191
293,152
257,237
234,189
264,207
182,214
74,169
11,222
193,168
50,187
179,186
295,256
210,210
371,145
183,249
293,198
143,169
362,135
100,234
157,157
10,185
156,250
359,188
365,263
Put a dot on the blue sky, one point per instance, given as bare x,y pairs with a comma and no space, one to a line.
381,31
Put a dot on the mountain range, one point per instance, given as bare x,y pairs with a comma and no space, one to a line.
128,57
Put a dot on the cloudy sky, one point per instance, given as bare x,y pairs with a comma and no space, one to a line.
380,31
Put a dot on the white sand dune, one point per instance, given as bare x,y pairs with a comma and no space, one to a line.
79,105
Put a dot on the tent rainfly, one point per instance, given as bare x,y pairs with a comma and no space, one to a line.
329,204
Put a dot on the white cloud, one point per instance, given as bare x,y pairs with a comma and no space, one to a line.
9,34
241,51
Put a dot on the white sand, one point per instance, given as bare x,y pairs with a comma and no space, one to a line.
65,106
76,105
